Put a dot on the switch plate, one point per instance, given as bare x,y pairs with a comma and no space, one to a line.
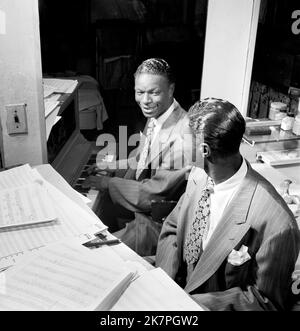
16,120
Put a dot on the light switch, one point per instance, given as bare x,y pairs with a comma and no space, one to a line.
16,120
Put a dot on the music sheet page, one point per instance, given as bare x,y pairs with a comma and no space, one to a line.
155,290
65,276
25,205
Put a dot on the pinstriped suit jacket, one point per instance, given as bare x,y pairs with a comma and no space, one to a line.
257,217
167,165
165,180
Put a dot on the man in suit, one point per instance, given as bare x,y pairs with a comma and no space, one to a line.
158,171
231,241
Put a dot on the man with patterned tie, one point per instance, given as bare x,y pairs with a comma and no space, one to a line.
160,170
231,241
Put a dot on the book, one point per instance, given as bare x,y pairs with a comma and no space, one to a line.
65,276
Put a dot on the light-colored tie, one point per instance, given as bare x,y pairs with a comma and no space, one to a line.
200,226
145,152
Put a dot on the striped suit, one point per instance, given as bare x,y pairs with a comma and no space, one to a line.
164,179
258,218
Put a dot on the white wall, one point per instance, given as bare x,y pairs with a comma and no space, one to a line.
21,80
229,50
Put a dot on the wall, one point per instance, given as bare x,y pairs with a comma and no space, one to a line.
229,48
21,81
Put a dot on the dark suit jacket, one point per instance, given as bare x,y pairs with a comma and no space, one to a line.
164,179
257,217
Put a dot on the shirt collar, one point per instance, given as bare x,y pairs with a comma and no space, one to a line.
163,117
233,180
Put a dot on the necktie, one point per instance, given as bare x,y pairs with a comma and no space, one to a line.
199,227
146,149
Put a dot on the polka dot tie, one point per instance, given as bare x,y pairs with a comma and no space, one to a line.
200,226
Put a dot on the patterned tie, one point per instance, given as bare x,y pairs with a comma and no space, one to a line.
200,226
146,149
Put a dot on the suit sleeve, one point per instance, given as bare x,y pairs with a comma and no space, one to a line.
136,196
167,248
275,262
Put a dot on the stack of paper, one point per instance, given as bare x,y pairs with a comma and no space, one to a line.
60,85
71,220
65,276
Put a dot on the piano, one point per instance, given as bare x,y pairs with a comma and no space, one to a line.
69,153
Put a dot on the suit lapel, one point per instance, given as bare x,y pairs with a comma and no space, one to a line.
162,138
230,230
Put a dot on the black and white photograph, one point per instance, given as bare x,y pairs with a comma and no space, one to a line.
149,158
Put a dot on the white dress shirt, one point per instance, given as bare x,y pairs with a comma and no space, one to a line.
221,197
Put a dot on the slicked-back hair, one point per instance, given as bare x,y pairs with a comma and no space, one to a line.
220,123
156,66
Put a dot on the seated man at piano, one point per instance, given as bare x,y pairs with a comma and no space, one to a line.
231,241
160,168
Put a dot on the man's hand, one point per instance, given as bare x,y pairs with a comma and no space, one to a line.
102,170
97,182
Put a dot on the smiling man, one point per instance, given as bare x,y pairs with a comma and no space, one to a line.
161,162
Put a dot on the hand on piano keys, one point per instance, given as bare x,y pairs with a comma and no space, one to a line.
94,170
97,182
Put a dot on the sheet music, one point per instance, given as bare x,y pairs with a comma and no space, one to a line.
48,90
50,105
65,276
72,221
61,85
17,176
25,205
155,290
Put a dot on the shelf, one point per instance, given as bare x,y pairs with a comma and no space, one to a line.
281,157
276,135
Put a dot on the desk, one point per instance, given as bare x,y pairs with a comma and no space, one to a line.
59,182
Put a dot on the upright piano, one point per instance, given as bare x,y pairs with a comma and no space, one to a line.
69,153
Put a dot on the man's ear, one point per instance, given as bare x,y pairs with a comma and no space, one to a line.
205,150
171,89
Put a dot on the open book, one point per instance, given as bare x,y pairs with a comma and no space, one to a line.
65,276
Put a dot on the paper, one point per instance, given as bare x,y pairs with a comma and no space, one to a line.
25,205
61,85
17,176
50,105
48,90
155,290
72,220
65,276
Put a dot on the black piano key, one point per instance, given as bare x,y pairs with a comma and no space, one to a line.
84,174
80,189
91,162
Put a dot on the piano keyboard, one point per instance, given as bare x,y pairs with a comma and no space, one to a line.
91,194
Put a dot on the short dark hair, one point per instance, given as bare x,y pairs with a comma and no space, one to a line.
220,123
156,66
